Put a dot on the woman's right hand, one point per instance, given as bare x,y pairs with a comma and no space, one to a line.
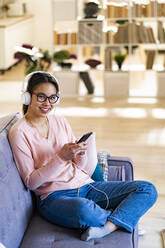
70,150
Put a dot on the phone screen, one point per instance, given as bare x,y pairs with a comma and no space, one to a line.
84,137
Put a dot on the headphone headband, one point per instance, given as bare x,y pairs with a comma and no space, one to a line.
35,72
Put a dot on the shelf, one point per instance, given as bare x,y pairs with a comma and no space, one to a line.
100,18
116,19
154,45
115,36
146,19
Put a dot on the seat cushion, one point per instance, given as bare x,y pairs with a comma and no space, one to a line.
43,234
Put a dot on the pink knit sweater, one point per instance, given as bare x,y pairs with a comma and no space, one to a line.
39,165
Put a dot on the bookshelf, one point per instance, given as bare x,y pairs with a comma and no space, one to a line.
134,27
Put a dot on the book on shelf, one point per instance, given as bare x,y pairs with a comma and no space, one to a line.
134,33
138,33
161,9
110,11
126,32
121,35
87,51
65,38
153,9
118,37
151,35
134,37
114,11
60,38
150,59
73,37
109,37
145,34
141,33
55,37
144,10
137,10
161,32
108,59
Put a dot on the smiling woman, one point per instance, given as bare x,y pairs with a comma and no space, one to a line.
59,169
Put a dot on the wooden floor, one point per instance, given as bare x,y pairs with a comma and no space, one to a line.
132,127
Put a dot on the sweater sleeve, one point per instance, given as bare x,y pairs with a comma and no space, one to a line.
87,162
33,178
90,160
79,161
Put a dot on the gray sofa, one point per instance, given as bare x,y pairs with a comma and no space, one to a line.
20,224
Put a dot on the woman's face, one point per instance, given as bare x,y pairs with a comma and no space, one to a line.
39,106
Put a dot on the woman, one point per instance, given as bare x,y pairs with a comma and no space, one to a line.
58,169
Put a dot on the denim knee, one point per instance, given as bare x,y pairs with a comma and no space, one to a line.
90,214
149,189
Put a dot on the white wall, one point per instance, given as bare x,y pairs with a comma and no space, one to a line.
43,22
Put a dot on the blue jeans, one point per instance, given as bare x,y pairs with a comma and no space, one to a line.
122,203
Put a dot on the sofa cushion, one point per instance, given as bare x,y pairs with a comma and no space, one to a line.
16,201
8,120
43,234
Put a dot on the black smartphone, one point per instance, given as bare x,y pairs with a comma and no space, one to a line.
84,137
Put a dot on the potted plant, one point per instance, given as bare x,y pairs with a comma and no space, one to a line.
119,58
36,59
60,58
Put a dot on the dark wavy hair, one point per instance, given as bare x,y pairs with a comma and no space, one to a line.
37,79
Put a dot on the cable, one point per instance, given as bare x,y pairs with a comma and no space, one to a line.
103,193
96,190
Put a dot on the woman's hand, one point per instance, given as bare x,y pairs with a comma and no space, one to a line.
70,150
84,148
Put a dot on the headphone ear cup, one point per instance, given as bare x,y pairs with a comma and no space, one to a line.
26,98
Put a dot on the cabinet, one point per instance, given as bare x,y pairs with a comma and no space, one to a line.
116,85
14,31
68,82
133,27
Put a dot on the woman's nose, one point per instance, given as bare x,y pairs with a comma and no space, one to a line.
46,102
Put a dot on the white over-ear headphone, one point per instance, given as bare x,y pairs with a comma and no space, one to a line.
26,96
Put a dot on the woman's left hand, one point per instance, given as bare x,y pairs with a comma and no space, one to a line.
83,147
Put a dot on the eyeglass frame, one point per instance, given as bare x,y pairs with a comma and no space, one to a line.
46,97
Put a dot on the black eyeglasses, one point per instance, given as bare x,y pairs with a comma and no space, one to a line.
41,97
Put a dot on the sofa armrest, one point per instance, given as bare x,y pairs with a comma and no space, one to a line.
120,169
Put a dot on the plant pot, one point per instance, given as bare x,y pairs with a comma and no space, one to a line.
65,65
